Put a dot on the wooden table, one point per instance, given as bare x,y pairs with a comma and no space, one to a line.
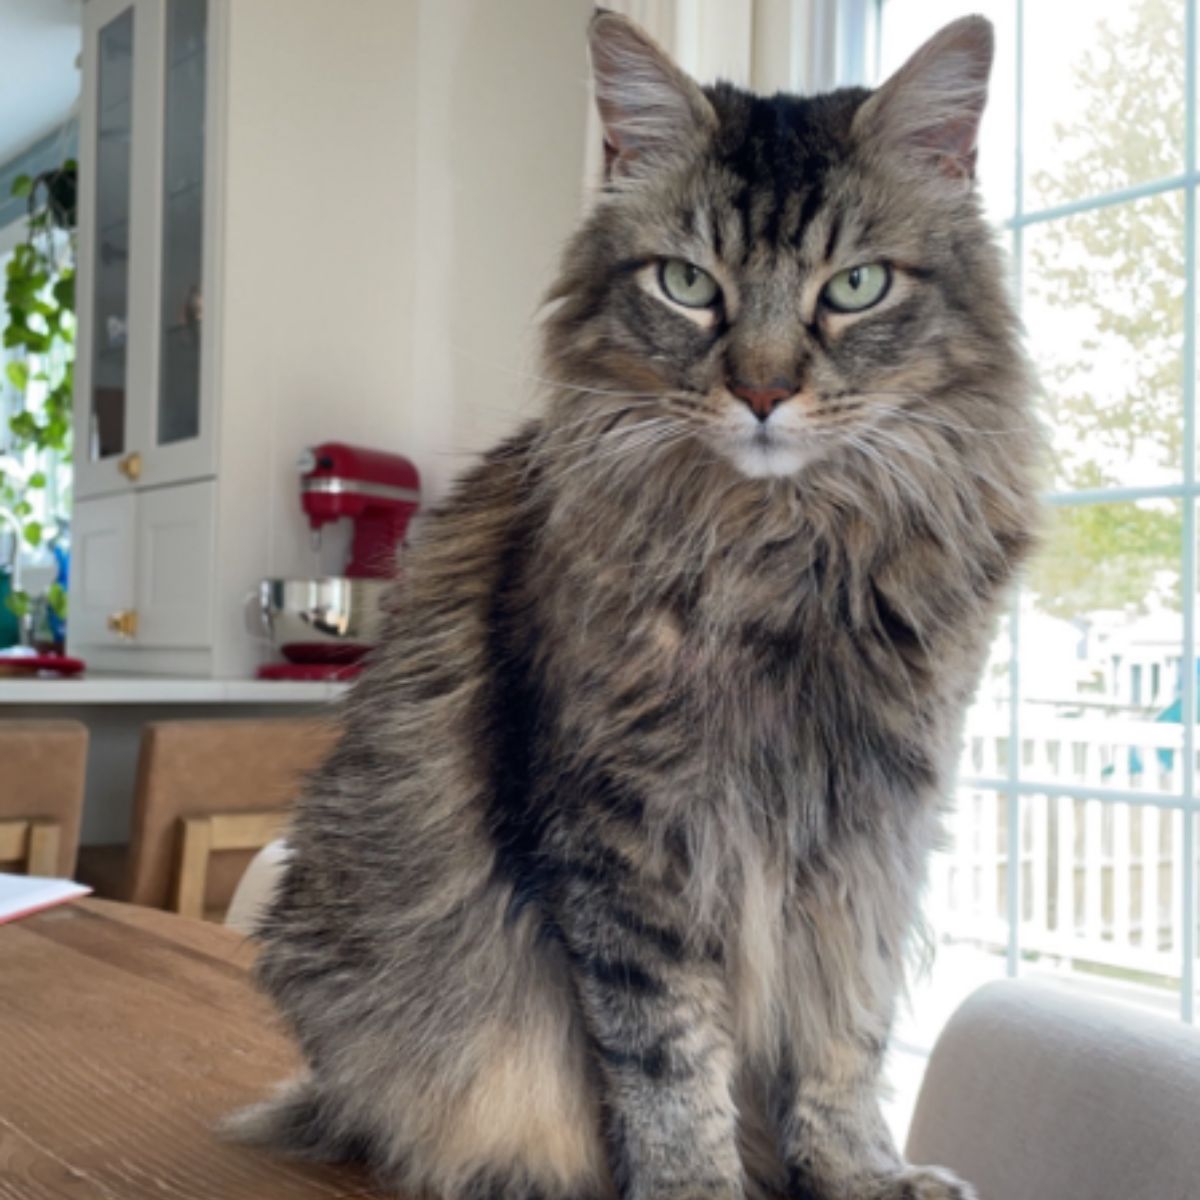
125,1034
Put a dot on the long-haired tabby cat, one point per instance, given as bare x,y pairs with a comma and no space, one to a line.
609,886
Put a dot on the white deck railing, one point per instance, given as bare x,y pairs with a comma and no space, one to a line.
1101,881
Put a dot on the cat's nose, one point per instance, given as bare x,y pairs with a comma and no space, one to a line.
762,401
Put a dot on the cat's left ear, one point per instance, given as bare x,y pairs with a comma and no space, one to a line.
653,113
930,109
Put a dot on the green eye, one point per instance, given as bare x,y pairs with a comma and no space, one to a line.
858,288
687,284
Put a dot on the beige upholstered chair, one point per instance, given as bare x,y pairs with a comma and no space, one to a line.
1035,1094
210,794
43,766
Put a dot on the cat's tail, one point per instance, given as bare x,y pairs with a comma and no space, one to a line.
295,1123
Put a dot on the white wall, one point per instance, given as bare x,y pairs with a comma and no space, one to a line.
400,177
319,230
500,137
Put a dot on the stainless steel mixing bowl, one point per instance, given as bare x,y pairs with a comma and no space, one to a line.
332,619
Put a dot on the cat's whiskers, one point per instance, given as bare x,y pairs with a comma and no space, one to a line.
633,437
983,468
891,470
584,390
892,439
546,381
668,435
608,425
910,412
616,424
838,408
652,439
611,430
603,419
834,420
628,400
628,439
686,401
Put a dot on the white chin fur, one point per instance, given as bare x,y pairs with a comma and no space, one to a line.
762,460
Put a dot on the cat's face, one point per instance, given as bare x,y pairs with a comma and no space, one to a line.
779,279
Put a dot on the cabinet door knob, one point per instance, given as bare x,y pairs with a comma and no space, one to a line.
131,466
124,623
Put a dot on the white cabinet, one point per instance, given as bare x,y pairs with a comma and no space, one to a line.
102,566
144,410
174,597
143,592
142,578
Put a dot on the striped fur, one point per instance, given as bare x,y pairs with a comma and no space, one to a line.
610,886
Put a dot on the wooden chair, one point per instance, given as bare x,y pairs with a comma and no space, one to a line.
204,836
43,766
209,794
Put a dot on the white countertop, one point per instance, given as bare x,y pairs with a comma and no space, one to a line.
95,688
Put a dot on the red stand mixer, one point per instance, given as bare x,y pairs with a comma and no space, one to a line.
324,626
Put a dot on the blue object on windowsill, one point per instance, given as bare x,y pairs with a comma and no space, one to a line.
1171,715
10,627
62,556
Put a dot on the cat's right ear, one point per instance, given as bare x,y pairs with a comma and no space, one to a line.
651,111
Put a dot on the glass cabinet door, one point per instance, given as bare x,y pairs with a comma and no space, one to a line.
182,299
114,135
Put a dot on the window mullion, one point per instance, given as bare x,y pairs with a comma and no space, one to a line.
1085,204
1012,896
1188,690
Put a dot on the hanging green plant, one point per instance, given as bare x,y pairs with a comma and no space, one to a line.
39,345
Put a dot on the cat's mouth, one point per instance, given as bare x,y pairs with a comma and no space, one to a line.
767,450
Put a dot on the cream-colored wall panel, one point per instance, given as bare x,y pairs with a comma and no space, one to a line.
319,231
503,115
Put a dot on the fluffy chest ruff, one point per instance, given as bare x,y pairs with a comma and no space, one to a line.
750,732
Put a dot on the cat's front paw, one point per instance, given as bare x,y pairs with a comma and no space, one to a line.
924,1183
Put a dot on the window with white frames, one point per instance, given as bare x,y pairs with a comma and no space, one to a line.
48,502
1074,842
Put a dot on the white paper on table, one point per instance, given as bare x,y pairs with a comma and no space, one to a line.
22,895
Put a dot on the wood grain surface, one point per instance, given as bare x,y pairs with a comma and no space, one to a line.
125,1035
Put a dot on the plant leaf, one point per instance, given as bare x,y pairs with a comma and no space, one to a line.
18,375
17,603
56,595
